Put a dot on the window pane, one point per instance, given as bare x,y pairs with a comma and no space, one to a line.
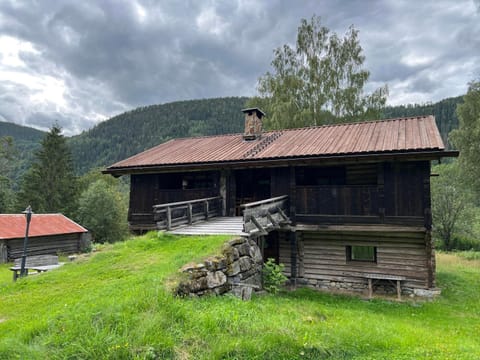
363,253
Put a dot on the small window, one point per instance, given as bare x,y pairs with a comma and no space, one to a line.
362,253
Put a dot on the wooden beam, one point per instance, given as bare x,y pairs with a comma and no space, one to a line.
272,220
189,213
259,226
169,218
293,258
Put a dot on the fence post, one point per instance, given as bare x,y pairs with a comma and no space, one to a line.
169,218
206,209
189,213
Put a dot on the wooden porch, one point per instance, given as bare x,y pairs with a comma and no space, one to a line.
216,226
204,217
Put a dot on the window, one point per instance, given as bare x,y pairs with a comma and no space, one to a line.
362,253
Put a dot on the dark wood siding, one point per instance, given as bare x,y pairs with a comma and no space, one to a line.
404,188
45,245
147,190
322,256
390,193
280,181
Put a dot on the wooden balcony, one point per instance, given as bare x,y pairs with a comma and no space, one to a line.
349,204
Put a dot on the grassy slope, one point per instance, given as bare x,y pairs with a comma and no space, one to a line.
114,305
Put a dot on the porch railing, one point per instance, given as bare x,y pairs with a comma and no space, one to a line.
170,215
260,217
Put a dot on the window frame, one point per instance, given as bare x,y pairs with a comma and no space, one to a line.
348,251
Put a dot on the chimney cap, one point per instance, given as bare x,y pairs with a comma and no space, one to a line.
253,109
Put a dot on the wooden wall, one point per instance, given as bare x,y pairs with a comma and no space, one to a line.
147,190
322,256
45,245
375,193
362,193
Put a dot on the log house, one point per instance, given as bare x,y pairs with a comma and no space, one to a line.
358,194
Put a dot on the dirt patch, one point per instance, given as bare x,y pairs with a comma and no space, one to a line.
2,320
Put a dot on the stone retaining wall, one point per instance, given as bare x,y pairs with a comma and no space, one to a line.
238,270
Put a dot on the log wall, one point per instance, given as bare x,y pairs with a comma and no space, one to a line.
45,245
322,258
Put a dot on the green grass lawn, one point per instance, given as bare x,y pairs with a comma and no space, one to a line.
114,304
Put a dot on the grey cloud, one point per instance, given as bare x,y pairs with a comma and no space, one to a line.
111,60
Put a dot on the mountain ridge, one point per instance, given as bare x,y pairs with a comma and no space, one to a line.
138,129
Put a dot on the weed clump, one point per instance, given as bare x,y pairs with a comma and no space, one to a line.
273,278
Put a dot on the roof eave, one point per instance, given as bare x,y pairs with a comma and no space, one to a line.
433,154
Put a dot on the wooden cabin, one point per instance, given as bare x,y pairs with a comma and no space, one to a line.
49,234
357,196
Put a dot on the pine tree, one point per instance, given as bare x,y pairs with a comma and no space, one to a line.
7,154
50,184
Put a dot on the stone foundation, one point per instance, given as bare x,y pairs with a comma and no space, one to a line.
237,271
362,288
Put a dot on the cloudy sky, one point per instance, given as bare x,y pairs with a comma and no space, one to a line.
81,62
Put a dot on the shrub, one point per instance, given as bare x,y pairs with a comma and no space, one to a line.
102,212
273,278
469,255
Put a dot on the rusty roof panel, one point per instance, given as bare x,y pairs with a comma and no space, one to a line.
394,135
12,226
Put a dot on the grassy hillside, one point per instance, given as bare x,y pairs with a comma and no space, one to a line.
114,305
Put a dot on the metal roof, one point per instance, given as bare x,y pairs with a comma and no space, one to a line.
12,226
393,135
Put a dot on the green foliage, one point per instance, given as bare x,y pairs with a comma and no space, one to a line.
93,175
463,242
466,137
20,133
470,254
142,128
272,276
27,141
50,184
7,157
102,209
7,196
112,304
452,210
320,81
444,112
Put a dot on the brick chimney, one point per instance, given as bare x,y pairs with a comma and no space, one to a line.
253,123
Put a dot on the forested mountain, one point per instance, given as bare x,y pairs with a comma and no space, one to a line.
26,142
444,112
20,133
134,131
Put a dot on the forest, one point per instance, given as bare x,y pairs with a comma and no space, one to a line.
134,131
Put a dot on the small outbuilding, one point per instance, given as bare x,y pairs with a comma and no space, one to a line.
48,234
